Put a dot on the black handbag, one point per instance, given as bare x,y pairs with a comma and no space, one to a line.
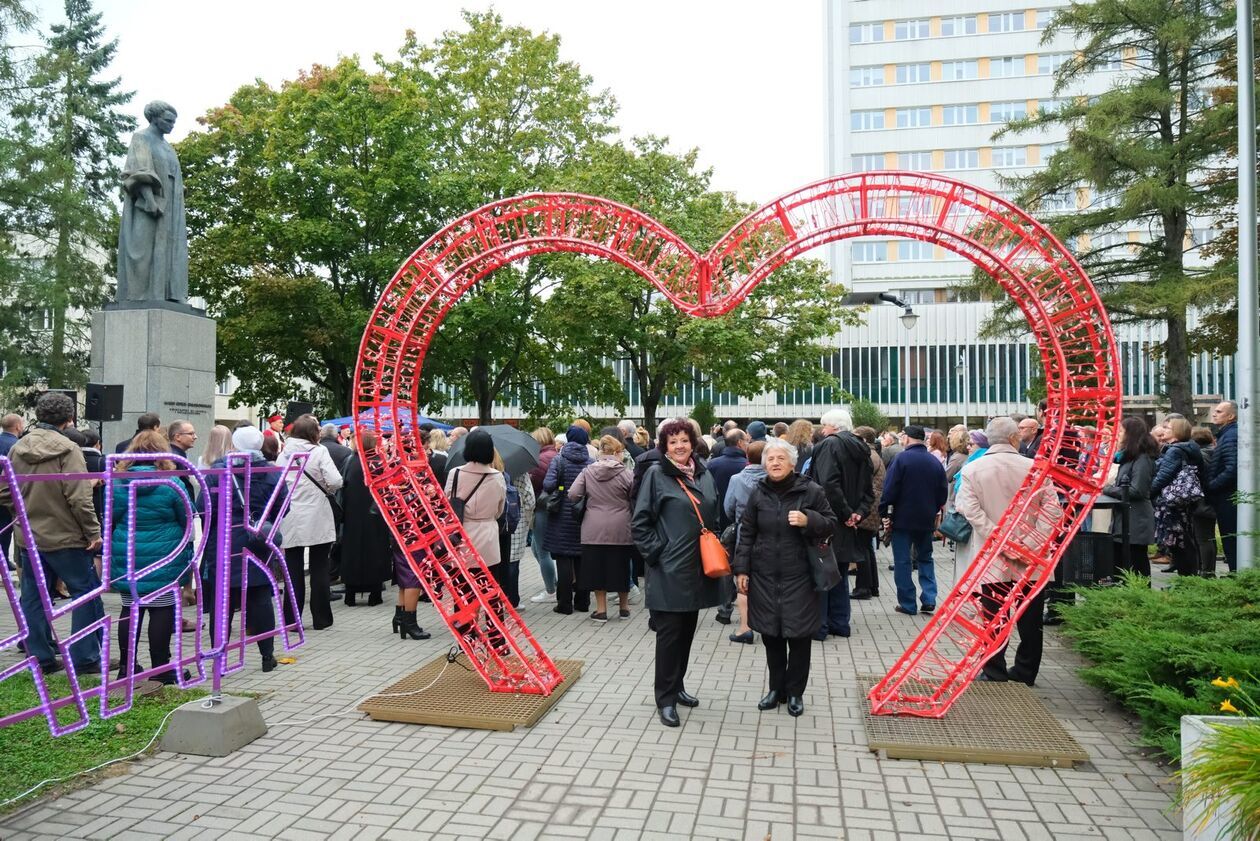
339,513
458,505
555,500
955,527
822,565
579,508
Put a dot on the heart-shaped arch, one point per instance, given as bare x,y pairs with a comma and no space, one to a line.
1064,314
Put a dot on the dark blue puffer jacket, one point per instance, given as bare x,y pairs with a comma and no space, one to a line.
1170,464
1222,473
564,531
261,486
161,520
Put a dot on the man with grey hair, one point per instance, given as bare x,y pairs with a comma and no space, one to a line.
990,483
340,452
628,428
1222,478
841,463
65,529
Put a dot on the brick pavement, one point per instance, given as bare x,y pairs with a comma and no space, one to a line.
600,765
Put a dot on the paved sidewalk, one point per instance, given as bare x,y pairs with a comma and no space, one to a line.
600,766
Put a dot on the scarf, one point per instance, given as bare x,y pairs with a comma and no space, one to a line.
688,469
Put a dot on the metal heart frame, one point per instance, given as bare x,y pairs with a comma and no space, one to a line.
1064,314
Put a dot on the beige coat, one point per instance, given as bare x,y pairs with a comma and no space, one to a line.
989,484
309,520
481,510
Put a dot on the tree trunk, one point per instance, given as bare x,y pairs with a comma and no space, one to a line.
1177,366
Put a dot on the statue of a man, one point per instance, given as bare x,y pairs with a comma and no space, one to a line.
153,242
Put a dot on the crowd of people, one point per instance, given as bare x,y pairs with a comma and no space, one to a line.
602,512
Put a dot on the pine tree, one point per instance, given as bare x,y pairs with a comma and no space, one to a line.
63,191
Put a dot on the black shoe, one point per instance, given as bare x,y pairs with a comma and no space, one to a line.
93,668
374,598
669,716
901,609
398,616
408,629
928,608
723,617
841,633
746,637
860,594
562,610
49,667
772,700
687,699
269,664
821,635
874,592
1016,676
795,705
651,624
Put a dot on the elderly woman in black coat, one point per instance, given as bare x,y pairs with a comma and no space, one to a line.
785,513
666,530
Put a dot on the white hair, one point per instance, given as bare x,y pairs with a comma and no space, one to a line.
1000,430
780,444
627,427
838,418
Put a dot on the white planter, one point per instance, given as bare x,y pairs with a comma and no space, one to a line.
1195,730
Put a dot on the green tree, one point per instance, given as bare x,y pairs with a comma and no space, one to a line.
336,177
866,413
702,413
62,190
605,313
1139,156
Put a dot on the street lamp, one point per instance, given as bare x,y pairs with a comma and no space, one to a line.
961,370
908,319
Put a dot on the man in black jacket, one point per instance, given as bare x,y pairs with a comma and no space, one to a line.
1222,478
842,465
149,420
340,452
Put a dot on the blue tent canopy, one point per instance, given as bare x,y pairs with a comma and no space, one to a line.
386,424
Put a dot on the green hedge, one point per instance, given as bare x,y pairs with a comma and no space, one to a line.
1157,651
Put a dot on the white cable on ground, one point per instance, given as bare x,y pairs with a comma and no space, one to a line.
161,724
353,708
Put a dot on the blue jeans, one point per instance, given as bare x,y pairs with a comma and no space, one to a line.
836,608
546,563
902,541
74,567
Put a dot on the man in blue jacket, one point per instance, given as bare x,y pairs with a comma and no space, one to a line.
1222,478
915,489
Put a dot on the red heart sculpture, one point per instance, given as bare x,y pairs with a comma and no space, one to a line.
1064,313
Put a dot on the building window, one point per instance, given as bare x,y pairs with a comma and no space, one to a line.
1010,156
907,30
1006,21
866,120
913,249
866,77
1004,112
910,73
1006,66
954,295
961,115
952,71
1113,63
962,158
866,33
914,117
1049,149
914,160
1064,200
917,296
870,251
866,163
1043,17
1048,64
965,25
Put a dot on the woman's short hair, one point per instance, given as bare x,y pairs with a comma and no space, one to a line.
958,440
800,433
780,444
754,451
610,445
1202,436
306,427
437,441
1180,428
672,428
544,436
642,438
866,433
149,441
479,447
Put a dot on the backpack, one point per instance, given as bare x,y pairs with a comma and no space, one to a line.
511,508
458,505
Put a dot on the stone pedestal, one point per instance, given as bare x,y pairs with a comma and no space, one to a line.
163,357
219,729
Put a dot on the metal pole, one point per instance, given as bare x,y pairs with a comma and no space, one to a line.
905,378
962,372
1248,337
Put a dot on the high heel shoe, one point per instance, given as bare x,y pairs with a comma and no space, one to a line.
409,629
398,617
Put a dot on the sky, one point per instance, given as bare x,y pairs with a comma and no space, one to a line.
741,81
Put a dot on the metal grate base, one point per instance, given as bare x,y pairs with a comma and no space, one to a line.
460,698
999,723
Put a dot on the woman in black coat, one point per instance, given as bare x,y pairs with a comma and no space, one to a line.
366,560
1138,451
666,529
785,512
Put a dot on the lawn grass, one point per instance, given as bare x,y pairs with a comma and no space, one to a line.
29,754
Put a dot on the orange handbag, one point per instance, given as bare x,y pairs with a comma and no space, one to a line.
713,556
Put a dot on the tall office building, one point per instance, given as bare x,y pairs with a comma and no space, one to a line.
911,91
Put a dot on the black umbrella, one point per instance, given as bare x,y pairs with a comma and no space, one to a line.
518,449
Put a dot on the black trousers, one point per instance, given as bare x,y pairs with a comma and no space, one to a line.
1028,654
321,600
259,614
787,658
674,633
1134,558
568,596
867,577
161,631
1057,591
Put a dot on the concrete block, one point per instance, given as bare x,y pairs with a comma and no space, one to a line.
219,730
